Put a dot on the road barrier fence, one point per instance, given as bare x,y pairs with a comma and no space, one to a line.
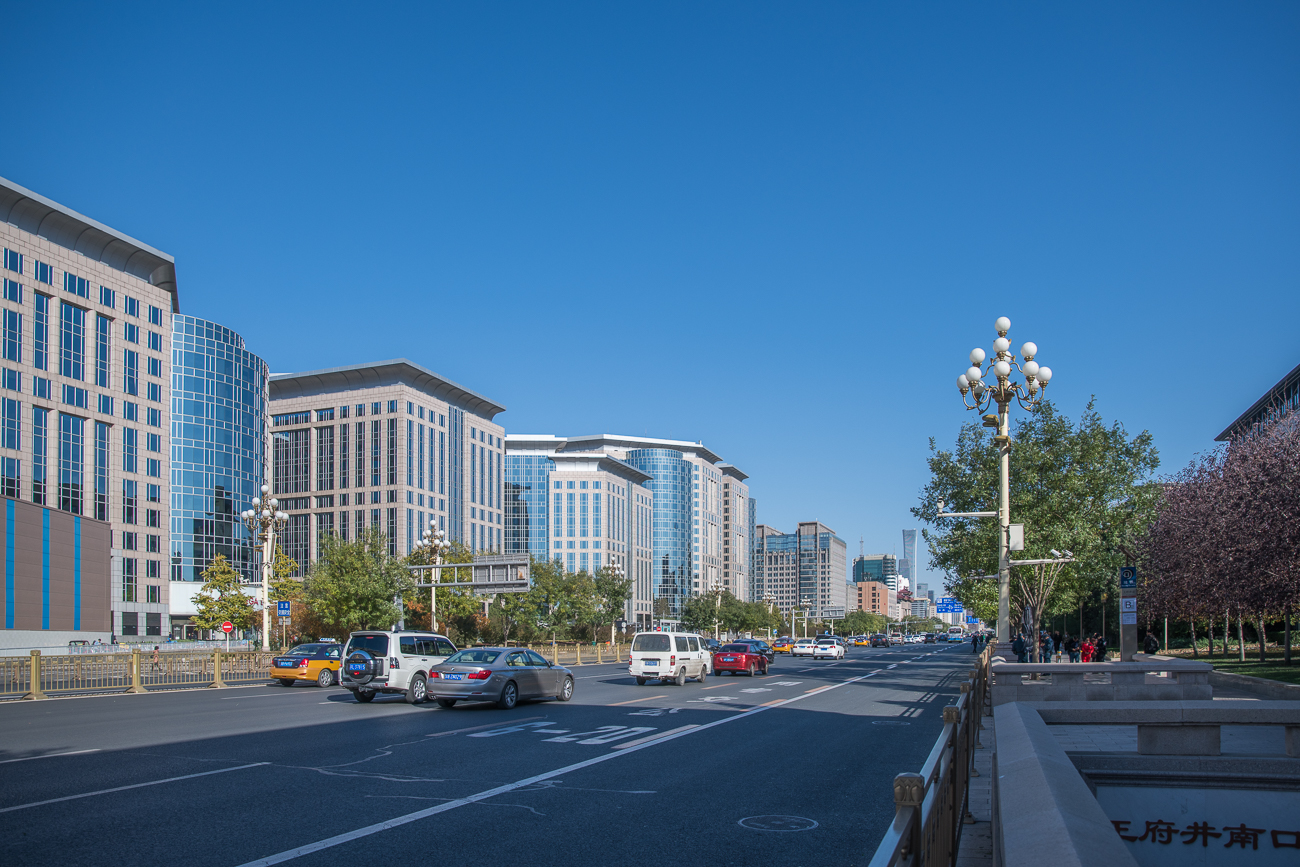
931,807
38,676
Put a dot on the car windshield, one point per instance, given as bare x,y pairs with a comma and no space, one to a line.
650,642
377,645
736,648
303,650
806,641
473,657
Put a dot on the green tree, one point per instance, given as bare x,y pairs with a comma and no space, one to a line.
610,593
284,586
222,598
862,623
353,585
458,609
1082,488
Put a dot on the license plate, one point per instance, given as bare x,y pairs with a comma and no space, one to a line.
651,662
728,659
453,677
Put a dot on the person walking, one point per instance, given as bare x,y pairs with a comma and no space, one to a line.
1100,652
1086,650
1019,649
155,666
1151,646
1072,647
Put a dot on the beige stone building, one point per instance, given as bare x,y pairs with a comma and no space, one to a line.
391,445
85,374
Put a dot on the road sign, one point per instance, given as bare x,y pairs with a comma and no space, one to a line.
489,573
833,613
284,608
1128,618
970,619
1129,603
1128,577
227,627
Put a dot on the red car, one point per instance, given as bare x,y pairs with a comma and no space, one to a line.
736,658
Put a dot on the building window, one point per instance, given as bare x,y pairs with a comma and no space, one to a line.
292,453
72,341
558,513
130,449
361,453
78,286
410,451
153,591
392,406
155,315
155,366
12,339
324,528
569,514
131,333
290,418
101,470
130,502
375,466
11,478
153,493
71,462
153,543
155,391
13,261
129,566
73,396
105,404
153,518
297,541
325,459
595,515
108,297
132,306
153,467
420,459
343,525
13,291
11,380
153,417
392,445
41,333
10,423
155,341
343,453
42,272
130,411
392,513
40,452
130,371
103,338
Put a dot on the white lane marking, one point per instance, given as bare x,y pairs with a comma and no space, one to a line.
787,683
49,756
709,699
132,786
349,836
756,689
255,695
648,738
895,665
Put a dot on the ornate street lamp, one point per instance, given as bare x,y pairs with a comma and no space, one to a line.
1003,391
264,521
435,543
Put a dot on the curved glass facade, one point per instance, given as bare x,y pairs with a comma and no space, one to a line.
671,483
526,483
219,396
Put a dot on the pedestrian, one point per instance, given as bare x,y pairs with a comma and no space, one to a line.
155,667
1151,646
1019,649
1100,652
1072,647
1086,650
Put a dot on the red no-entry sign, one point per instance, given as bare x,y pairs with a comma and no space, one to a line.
227,627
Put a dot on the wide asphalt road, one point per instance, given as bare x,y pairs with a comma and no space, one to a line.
620,775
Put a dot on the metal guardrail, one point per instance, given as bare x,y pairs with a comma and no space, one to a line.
581,654
37,676
932,806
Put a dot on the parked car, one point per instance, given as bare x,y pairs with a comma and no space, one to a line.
761,646
804,647
738,657
392,663
829,647
666,656
505,675
308,662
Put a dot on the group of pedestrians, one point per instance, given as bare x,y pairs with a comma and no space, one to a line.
1055,647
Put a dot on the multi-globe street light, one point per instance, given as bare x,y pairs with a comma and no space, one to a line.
264,521
1003,392
434,541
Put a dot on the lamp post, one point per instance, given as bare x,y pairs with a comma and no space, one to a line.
617,568
769,600
1028,394
434,541
264,521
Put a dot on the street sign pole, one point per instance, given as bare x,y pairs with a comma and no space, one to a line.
1128,639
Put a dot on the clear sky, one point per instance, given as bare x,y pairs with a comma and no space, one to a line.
775,228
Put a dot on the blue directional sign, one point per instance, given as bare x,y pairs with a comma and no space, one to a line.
1128,577
970,619
283,608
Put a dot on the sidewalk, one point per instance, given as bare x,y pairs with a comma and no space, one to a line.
975,849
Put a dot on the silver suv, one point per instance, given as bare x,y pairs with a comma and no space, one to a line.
392,662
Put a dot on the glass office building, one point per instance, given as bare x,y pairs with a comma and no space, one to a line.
672,486
219,398
526,477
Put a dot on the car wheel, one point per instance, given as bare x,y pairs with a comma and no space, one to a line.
566,689
509,696
418,691
681,676
284,681
717,673
365,695
751,669
765,671
446,702
325,678
640,681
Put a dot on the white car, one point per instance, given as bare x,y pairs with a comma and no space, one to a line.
830,648
392,663
668,657
804,647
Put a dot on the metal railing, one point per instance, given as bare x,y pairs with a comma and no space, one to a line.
932,806
576,653
37,676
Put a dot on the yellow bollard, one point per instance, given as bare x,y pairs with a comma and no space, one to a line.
37,692
136,687
217,682
577,650
599,657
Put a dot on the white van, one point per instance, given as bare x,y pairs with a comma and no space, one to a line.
668,656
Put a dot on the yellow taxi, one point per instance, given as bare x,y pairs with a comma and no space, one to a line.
862,641
782,645
319,662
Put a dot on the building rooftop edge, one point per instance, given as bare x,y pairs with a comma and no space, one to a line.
1273,393
480,404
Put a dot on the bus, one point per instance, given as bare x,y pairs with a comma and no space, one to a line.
956,633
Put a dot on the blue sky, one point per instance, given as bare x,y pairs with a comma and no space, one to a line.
775,228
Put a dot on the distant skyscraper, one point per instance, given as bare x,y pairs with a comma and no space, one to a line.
876,567
909,557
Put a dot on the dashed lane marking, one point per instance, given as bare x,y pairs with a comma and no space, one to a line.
49,756
654,737
132,786
632,700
